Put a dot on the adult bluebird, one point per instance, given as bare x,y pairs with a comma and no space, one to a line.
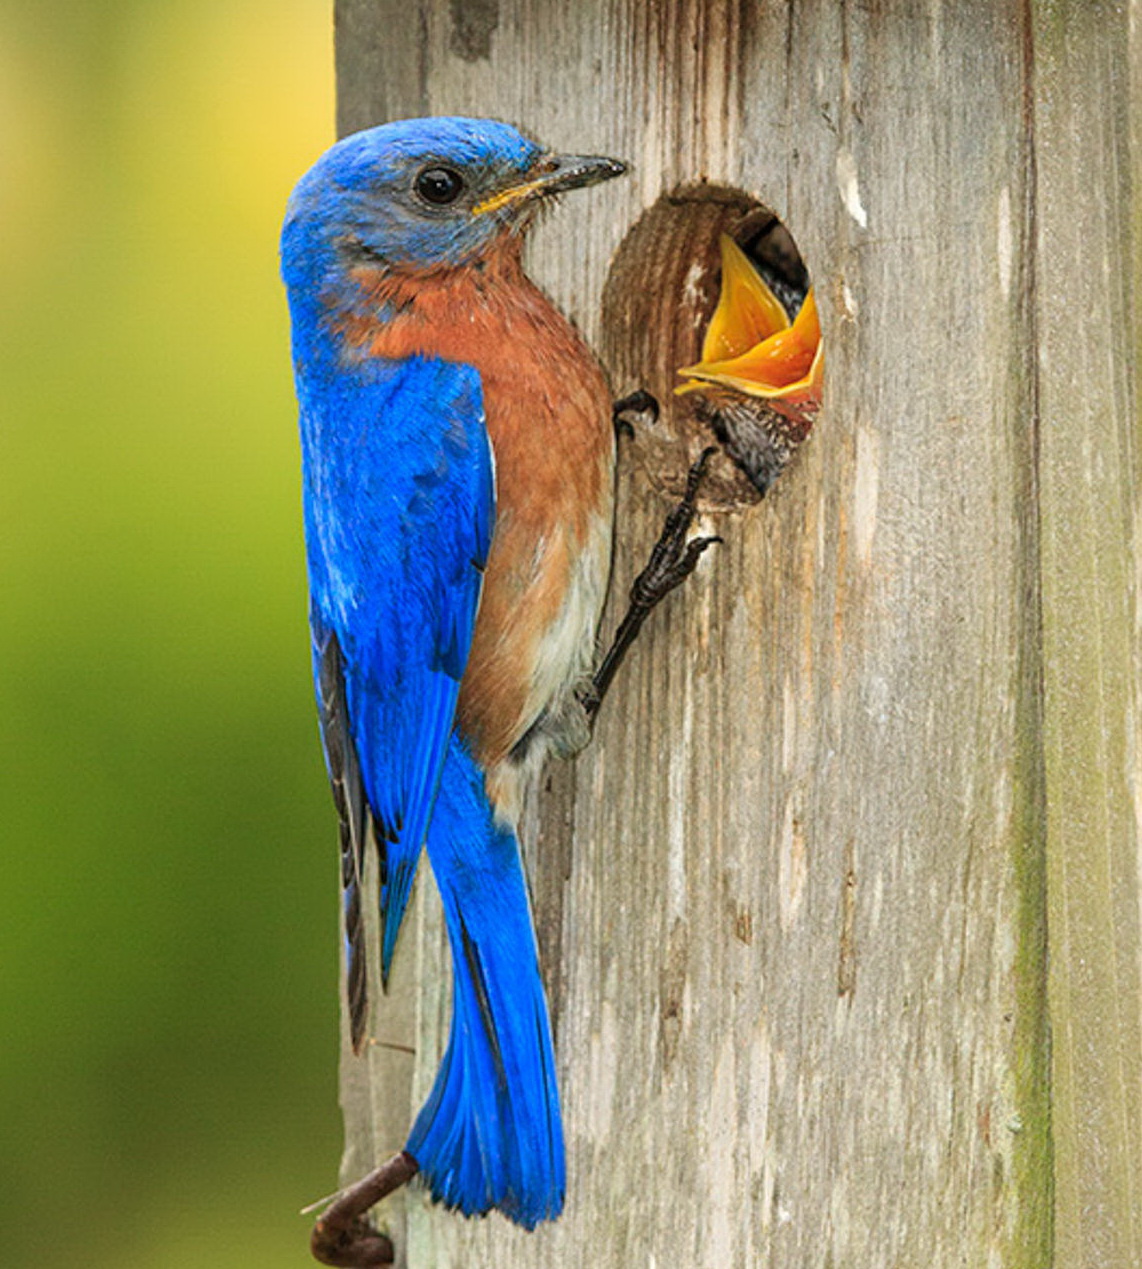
458,470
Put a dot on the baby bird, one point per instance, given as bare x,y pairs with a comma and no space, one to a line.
760,375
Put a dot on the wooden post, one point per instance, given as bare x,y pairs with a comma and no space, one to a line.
1087,266
796,899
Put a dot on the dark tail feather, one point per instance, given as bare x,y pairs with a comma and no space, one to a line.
353,815
356,975
490,1134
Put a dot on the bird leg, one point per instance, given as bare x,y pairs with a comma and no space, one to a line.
671,561
341,1234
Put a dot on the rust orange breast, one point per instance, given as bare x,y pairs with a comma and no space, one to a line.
548,416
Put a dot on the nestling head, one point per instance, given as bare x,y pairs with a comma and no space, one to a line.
423,194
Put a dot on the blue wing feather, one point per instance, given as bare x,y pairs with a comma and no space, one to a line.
399,509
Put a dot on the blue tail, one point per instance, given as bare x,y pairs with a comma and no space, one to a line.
490,1134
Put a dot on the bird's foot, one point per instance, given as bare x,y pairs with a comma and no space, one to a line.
671,561
636,403
341,1234
673,558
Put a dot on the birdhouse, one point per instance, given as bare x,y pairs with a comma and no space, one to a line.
839,912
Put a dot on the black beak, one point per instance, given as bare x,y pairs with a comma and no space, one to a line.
560,172
553,174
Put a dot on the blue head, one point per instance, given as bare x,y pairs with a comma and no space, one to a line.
422,194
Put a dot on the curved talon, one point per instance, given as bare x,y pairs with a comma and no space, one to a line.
357,1246
637,402
661,576
682,568
341,1234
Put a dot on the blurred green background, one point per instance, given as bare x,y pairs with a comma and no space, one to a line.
168,904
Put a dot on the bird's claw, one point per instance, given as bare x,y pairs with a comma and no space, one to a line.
341,1234
637,402
659,578
671,561
356,1245
673,558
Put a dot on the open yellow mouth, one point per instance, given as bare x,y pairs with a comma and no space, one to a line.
750,345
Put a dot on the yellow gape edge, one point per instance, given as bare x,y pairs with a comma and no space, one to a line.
749,345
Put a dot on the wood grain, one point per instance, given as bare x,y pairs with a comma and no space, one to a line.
793,900
1089,474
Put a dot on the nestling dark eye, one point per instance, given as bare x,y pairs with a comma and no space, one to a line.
439,185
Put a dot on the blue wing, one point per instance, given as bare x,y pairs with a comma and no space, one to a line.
399,509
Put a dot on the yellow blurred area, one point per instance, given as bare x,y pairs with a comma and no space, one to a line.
228,100
212,108
168,903
29,131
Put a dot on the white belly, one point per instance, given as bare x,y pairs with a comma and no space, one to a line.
565,659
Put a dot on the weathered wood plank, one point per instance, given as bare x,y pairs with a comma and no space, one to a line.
1088,341
792,899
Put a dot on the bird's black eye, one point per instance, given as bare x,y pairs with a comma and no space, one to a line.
439,185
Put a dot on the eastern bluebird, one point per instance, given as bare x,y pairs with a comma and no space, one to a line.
458,457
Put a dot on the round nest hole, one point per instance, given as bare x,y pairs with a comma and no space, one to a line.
661,292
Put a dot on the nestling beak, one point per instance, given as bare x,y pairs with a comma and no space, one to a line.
751,347
554,174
